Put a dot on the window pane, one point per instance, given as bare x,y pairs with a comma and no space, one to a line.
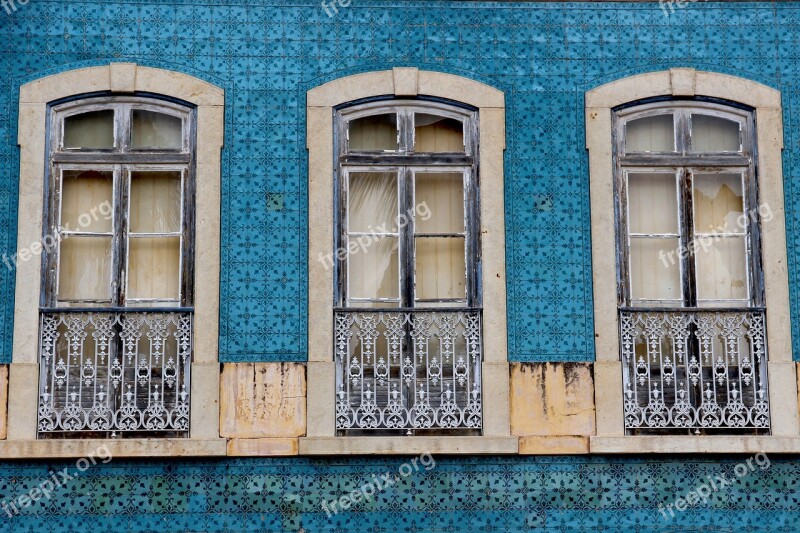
87,201
721,268
374,133
652,203
718,203
85,268
156,130
655,269
154,267
155,202
439,202
372,203
433,133
374,269
714,134
440,272
90,130
650,134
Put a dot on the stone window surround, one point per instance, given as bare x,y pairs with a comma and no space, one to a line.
115,78
406,82
766,101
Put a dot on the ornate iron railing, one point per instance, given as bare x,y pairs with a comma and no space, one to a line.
408,370
694,370
114,373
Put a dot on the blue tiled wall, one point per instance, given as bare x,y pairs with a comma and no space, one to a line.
597,494
267,53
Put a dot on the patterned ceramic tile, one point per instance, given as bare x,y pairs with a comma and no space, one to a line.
453,495
266,53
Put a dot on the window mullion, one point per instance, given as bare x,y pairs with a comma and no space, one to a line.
121,179
689,276
407,259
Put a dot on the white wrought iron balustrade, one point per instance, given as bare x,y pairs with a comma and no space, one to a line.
408,370
694,370
117,373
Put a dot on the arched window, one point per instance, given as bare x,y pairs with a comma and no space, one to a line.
407,258
691,289
117,298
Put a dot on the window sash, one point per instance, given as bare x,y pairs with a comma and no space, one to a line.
406,235
120,236
406,164
686,167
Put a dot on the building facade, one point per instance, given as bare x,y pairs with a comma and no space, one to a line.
399,266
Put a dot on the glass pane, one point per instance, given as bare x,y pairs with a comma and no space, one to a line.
85,268
87,201
650,134
439,202
652,203
721,268
156,130
155,202
374,133
655,269
90,130
153,267
374,269
718,203
714,134
389,304
440,272
433,133
372,203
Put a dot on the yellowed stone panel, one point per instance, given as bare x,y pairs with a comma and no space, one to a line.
552,399
263,400
3,400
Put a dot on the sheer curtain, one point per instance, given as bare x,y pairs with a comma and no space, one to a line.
714,134
85,260
154,236
434,133
721,263
440,271
650,134
94,129
654,236
372,211
155,130
373,133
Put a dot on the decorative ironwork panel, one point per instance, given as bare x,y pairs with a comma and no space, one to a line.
115,373
694,370
399,370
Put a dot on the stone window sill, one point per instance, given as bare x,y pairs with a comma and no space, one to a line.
674,444
491,445
116,448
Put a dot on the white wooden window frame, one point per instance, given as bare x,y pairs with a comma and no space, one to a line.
686,82
35,99
405,83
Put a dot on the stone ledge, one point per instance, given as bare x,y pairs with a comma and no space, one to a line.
262,447
553,445
687,444
76,448
408,445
